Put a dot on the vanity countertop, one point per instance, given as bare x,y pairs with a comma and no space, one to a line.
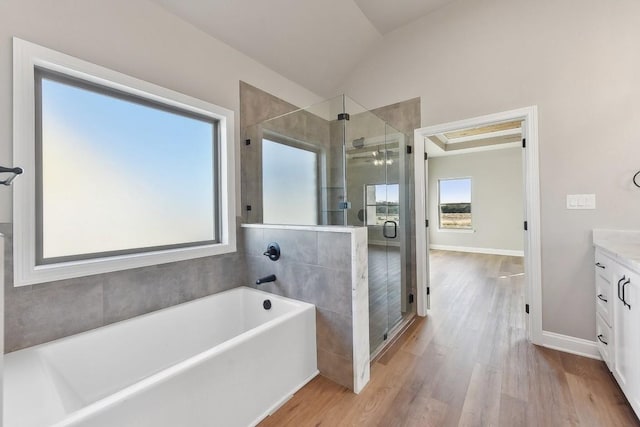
623,244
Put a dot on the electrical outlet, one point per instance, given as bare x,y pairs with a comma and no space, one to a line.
581,201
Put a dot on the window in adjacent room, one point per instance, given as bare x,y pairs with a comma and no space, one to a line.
454,203
383,203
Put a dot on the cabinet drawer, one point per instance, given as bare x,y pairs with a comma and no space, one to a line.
604,299
604,339
604,264
605,293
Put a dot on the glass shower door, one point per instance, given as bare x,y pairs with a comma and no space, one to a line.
336,163
392,230
375,193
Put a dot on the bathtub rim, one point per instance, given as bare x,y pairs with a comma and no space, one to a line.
161,310
190,362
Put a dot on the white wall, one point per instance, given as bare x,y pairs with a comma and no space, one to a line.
497,211
137,38
579,61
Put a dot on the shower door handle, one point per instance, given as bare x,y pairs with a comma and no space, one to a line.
395,230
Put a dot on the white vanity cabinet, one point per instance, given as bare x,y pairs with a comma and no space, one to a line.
618,320
626,313
604,273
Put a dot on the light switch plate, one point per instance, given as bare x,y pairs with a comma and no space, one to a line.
581,201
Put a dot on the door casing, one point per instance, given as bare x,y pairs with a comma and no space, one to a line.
532,250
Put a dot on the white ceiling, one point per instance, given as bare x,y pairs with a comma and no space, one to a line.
315,43
388,15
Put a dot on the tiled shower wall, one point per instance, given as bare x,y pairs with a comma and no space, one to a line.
256,106
39,313
329,270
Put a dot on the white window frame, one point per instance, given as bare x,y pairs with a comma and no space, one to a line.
455,230
27,56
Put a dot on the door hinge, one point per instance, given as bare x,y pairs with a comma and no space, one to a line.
248,207
426,156
426,223
524,142
247,142
409,149
526,308
526,226
384,337
344,116
428,290
410,298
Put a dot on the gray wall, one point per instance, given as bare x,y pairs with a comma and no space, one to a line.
314,267
138,38
256,106
142,40
578,61
496,199
36,314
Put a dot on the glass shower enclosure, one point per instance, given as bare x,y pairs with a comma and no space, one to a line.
336,163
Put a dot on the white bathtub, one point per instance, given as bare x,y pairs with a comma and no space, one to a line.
221,361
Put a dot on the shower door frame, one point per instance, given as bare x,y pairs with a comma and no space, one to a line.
404,230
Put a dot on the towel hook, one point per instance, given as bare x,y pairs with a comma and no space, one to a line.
14,171
635,177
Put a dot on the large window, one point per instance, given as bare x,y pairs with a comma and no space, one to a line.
383,203
119,173
289,184
454,203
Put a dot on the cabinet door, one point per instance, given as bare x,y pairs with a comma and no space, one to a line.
627,335
604,340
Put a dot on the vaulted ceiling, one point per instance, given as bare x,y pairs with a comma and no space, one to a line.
315,43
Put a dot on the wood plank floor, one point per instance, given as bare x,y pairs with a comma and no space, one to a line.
468,364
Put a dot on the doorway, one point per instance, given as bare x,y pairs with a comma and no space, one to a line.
465,132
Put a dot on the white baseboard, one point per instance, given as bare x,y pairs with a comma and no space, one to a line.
572,345
490,251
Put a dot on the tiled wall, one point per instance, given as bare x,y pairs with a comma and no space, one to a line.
316,267
255,106
39,313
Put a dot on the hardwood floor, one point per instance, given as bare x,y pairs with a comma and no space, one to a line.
468,364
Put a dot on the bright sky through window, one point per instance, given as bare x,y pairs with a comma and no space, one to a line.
289,184
455,190
119,175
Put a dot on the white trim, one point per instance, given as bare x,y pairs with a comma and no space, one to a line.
324,228
26,56
360,310
490,251
532,262
570,344
439,152
507,132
